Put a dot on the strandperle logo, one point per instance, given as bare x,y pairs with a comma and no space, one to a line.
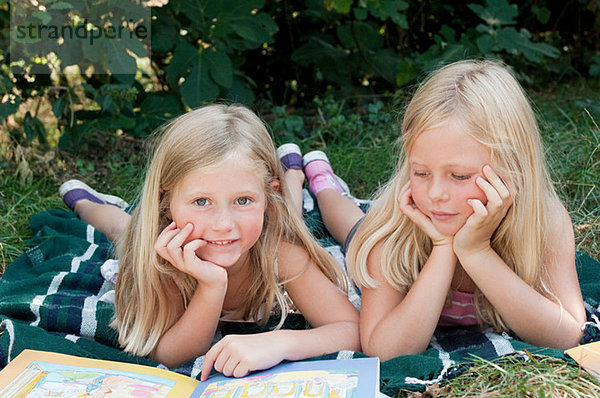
85,31
101,36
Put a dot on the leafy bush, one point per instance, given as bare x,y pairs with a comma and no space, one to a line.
262,52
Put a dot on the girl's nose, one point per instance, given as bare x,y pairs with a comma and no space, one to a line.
222,220
438,190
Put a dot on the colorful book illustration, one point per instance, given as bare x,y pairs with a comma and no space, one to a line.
350,378
45,374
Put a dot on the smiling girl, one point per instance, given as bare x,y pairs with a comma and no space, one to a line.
469,230
215,237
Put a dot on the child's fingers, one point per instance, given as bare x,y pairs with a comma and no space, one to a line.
209,361
160,246
221,362
229,367
170,230
240,370
479,210
178,239
404,197
189,250
494,201
497,194
496,182
174,246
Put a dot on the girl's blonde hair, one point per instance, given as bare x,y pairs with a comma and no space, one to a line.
493,109
150,292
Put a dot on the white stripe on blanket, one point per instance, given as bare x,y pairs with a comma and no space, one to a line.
501,344
88,253
446,362
88,317
7,326
36,303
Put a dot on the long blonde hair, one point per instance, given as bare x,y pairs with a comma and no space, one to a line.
150,292
494,110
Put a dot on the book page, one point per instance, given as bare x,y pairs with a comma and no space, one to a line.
588,356
347,378
44,374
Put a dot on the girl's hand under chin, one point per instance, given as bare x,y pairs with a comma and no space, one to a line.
171,246
408,207
477,232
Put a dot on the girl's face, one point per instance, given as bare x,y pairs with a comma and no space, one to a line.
444,164
226,205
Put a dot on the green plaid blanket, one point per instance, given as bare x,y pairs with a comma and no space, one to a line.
58,296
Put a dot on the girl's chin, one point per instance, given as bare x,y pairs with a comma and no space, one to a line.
225,261
448,229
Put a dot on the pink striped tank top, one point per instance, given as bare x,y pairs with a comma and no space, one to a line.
461,311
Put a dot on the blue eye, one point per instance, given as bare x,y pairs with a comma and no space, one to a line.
243,201
201,202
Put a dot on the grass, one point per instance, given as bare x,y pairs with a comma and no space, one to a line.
360,145
513,376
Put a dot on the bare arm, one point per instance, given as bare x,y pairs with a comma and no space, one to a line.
333,318
393,323
192,334
535,318
389,317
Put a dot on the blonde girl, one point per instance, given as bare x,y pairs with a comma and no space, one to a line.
215,237
469,230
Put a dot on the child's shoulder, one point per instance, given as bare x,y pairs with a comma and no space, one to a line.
291,259
560,220
560,237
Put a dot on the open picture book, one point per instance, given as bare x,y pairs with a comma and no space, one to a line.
48,374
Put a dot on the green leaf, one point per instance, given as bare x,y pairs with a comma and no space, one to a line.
164,31
541,13
5,85
8,108
315,50
183,57
485,44
252,32
95,52
360,13
344,34
233,19
58,107
497,13
198,87
61,5
118,60
70,53
448,34
342,6
518,42
155,110
392,67
367,36
125,122
294,123
43,16
135,44
385,9
34,128
106,103
219,65
241,90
